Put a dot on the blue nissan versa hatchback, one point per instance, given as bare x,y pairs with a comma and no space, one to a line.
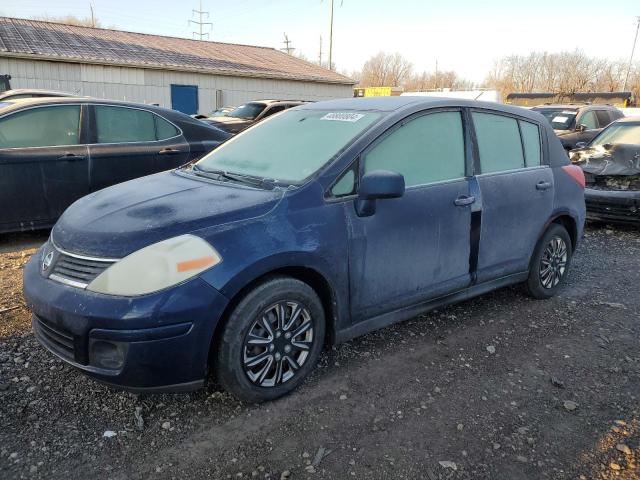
322,223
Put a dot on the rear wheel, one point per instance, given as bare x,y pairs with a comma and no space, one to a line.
550,263
272,340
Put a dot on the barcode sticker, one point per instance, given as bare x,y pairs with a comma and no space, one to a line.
343,117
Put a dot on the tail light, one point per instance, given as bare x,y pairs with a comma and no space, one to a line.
576,173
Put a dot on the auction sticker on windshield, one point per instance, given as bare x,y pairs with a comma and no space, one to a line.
343,117
559,119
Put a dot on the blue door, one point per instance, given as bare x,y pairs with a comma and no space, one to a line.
415,247
184,98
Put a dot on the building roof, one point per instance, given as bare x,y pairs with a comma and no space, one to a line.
35,39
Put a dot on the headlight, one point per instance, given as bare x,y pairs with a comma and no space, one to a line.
157,266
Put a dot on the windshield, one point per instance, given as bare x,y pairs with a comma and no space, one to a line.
627,133
248,111
288,147
560,119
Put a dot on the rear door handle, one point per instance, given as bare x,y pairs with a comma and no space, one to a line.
168,151
464,200
71,157
543,185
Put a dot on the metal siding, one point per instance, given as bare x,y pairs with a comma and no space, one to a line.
153,86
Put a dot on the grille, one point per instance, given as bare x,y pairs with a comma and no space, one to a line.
613,210
78,271
57,338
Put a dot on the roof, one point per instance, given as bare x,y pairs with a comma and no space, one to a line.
635,119
35,91
577,106
35,39
390,104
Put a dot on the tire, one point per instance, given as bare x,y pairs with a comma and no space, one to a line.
259,356
550,263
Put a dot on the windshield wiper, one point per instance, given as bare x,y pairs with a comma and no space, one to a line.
235,177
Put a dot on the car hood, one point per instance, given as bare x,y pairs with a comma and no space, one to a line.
119,220
621,159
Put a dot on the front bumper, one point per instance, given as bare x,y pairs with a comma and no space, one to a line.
620,206
156,342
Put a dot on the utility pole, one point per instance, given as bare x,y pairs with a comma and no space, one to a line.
331,39
287,45
320,54
93,18
200,23
633,49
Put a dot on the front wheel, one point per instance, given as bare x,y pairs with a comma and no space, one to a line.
271,341
550,263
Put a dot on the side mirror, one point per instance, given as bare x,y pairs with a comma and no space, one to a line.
581,128
580,144
378,185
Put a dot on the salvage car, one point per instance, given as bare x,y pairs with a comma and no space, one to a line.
574,123
55,150
611,163
19,93
315,226
220,112
250,113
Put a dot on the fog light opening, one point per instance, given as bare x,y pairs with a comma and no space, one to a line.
105,354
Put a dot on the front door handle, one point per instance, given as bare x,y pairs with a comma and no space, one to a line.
543,185
464,200
71,157
168,151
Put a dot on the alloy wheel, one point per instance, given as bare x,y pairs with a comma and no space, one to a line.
277,344
553,263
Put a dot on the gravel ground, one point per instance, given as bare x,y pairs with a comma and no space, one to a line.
498,387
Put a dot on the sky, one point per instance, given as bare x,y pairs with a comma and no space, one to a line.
462,35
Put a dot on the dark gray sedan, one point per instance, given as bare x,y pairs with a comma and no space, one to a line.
55,150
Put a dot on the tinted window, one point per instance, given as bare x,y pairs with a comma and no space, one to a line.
41,127
164,129
589,120
119,125
531,141
498,141
273,110
427,149
603,118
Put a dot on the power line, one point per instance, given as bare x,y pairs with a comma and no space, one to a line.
200,23
633,49
287,45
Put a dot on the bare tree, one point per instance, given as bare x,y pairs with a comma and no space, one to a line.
385,70
70,20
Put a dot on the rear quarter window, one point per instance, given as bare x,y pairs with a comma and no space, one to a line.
531,142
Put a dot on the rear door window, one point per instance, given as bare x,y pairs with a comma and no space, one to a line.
604,118
164,129
531,141
41,127
427,149
123,125
499,142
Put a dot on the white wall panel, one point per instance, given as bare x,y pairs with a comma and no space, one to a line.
154,86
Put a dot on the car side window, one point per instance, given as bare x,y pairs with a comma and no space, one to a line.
531,141
123,125
272,110
498,142
41,127
346,185
164,129
426,149
604,118
588,119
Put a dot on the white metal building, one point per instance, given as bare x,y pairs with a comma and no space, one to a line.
188,75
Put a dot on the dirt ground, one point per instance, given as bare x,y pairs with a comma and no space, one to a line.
500,387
